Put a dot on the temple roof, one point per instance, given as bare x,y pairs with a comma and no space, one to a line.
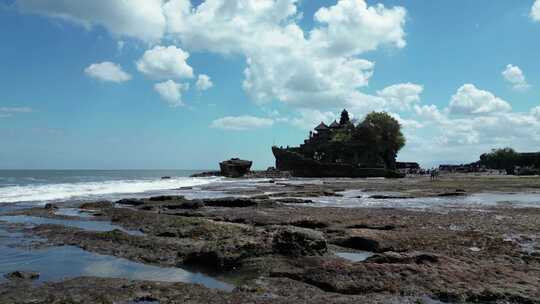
334,125
321,127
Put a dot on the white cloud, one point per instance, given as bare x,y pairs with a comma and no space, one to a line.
204,83
317,68
514,75
401,96
429,112
141,19
535,11
165,63
120,45
308,119
240,123
284,63
535,112
352,27
107,71
10,111
171,92
469,100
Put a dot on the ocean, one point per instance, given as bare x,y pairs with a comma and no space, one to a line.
42,186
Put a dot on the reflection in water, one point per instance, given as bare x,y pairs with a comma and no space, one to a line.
73,212
59,263
358,256
85,225
359,199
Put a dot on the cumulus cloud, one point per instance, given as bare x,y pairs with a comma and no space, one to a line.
514,75
171,92
284,63
107,71
141,19
203,82
352,27
10,111
470,100
429,112
240,123
401,96
308,119
535,112
313,68
535,11
165,63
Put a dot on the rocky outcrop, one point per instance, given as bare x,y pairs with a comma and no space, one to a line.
235,167
22,275
294,241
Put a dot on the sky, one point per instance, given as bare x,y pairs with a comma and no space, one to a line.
163,84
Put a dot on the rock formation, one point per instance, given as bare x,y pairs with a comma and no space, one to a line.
235,167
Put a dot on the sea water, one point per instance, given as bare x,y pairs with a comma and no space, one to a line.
42,186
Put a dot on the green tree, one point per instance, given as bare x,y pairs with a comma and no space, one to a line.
386,131
344,118
503,158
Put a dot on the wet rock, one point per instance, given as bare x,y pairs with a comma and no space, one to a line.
310,223
367,240
374,227
294,201
403,258
388,197
51,206
447,194
163,198
130,202
360,243
235,167
294,241
231,202
97,205
22,275
191,205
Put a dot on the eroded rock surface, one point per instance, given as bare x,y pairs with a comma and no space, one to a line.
277,249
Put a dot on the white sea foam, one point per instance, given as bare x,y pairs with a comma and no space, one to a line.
63,191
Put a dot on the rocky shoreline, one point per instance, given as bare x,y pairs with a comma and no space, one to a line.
275,247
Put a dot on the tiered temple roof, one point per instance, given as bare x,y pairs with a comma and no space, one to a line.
321,127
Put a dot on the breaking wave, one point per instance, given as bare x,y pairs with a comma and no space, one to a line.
64,191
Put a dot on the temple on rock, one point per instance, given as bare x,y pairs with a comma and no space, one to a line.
341,149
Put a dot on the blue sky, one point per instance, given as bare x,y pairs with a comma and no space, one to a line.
109,85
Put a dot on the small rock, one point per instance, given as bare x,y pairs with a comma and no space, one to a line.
163,198
446,194
51,207
186,205
403,258
22,275
130,202
230,202
97,205
387,197
294,241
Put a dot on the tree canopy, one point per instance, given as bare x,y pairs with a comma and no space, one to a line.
344,118
384,133
503,158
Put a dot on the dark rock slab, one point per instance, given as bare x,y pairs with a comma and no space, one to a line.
22,275
294,241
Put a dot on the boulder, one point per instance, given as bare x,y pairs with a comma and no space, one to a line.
50,206
22,275
97,205
235,167
294,241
